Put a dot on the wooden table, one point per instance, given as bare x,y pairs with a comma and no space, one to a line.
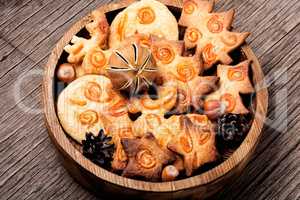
30,167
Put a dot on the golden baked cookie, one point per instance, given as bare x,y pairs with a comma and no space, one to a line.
89,104
96,61
153,111
80,104
184,72
146,157
195,142
144,17
233,81
98,30
209,32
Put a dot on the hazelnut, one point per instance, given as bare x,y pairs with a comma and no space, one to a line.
66,73
169,173
212,108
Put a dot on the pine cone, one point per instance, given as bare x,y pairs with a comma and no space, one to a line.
99,149
232,129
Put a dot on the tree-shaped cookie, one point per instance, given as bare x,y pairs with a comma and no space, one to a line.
192,92
233,81
195,142
166,132
209,32
98,30
146,157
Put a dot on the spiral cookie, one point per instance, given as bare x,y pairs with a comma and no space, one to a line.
195,142
146,157
183,72
96,61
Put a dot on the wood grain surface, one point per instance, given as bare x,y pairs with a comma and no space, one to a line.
29,165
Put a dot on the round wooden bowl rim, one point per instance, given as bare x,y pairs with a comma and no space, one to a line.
60,139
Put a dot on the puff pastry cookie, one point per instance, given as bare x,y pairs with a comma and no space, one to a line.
209,32
144,17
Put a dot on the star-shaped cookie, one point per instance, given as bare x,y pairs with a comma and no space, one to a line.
209,32
233,81
146,157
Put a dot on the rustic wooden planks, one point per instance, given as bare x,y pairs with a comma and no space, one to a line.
29,165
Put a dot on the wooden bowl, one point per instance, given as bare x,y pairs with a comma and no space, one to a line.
106,183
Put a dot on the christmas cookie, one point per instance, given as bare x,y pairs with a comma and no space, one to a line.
146,157
233,81
144,17
98,30
195,142
209,32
